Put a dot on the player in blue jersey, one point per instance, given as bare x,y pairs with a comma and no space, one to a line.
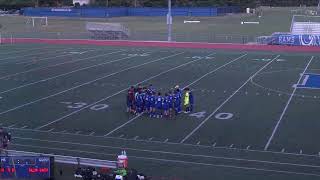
170,103
165,105
147,104
143,96
177,100
152,104
139,102
151,89
159,100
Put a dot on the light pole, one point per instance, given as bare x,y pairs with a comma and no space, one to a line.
169,21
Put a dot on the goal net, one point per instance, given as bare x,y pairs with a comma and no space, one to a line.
37,21
105,31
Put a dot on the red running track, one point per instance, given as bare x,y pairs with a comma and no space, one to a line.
194,45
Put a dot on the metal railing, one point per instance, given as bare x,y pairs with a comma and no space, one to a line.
69,159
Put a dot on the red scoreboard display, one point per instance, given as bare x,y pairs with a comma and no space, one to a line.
26,167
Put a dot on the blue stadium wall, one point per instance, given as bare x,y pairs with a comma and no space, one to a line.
116,12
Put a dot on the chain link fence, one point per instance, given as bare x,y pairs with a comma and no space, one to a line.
140,36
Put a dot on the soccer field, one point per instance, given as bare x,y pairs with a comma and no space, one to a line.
255,116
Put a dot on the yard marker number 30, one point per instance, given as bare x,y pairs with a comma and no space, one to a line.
79,105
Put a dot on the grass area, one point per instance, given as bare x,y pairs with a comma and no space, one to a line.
249,122
210,29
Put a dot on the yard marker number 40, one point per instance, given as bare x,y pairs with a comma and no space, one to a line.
221,116
79,105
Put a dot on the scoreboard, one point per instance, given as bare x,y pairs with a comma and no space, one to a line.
26,167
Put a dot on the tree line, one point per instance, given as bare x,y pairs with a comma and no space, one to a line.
157,3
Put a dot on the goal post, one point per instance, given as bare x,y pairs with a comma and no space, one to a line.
34,21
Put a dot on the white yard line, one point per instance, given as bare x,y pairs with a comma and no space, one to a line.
124,124
65,74
83,84
227,100
170,152
193,82
205,75
55,65
286,107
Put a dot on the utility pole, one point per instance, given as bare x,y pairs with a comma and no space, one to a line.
37,3
169,21
107,3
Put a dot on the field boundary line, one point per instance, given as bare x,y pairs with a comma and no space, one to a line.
286,106
64,74
166,143
170,152
216,69
227,100
55,65
174,161
83,84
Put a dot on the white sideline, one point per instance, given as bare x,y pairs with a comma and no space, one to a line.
83,84
64,74
227,100
131,120
176,161
54,65
286,107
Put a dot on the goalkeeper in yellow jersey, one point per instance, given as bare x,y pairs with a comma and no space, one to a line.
186,101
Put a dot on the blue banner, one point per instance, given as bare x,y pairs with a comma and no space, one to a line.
296,40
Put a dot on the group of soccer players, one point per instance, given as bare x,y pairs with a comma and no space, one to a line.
146,100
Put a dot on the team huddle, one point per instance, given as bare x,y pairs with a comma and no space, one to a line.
147,100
